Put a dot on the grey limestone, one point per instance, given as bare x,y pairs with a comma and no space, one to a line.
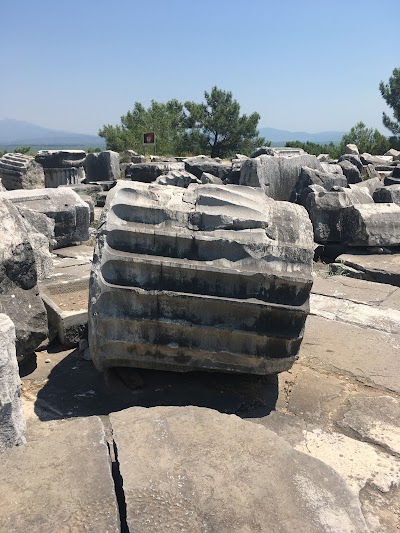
309,176
102,166
12,421
209,277
354,159
56,177
195,469
351,171
277,176
19,171
61,158
70,213
178,178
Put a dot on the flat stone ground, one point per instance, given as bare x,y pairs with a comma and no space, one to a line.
340,403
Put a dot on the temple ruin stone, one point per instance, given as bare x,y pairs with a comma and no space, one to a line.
277,176
102,166
389,194
371,225
19,293
19,171
62,167
149,172
70,213
209,277
201,163
12,421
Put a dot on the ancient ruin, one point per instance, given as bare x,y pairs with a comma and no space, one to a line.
203,278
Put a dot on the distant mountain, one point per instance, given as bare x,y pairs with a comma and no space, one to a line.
21,133
283,136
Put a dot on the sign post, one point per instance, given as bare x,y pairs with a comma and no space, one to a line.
149,138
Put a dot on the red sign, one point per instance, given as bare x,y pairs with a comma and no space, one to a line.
149,138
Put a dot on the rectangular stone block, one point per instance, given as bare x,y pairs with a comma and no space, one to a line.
210,277
69,212
371,225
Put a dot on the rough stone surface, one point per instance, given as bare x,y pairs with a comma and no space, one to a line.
56,177
19,295
18,171
395,154
351,149
102,166
390,194
326,210
370,184
371,225
177,468
376,160
277,176
209,277
381,268
375,419
281,151
69,212
331,168
148,172
59,481
354,159
178,178
199,164
206,177
12,422
351,171
60,158
309,176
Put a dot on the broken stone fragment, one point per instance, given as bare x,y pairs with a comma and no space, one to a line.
70,213
371,225
12,422
102,166
277,176
19,171
19,294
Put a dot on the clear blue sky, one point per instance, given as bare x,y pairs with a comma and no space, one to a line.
310,65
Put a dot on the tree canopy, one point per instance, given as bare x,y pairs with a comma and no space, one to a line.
391,94
215,127
366,139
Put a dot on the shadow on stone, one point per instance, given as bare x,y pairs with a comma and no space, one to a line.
74,388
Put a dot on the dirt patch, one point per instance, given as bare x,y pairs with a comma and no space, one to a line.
71,300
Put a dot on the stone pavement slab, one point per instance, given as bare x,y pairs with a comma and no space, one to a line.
194,469
383,268
59,481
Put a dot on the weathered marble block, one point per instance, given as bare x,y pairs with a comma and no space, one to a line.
277,176
148,172
371,225
18,171
102,166
210,277
69,212
12,421
19,294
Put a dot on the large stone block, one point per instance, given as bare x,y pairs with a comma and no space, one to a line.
197,470
55,177
371,225
277,176
148,172
69,212
59,481
201,163
19,294
351,171
60,158
326,210
18,171
102,166
390,194
210,277
12,422
309,176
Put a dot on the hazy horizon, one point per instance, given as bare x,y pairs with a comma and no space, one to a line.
312,67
